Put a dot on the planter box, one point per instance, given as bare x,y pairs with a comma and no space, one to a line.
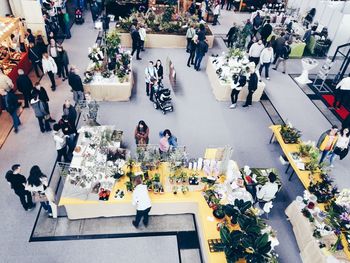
162,41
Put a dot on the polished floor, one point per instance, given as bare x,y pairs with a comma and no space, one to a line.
198,121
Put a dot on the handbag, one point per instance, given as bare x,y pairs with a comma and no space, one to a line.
39,197
337,150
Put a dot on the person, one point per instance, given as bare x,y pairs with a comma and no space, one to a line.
34,56
327,142
30,36
62,62
38,185
232,35
60,142
92,107
193,47
252,86
341,92
160,72
11,106
216,12
229,5
141,134
342,146
257,23
94,10
266,58
142,201
142,32
5,82
52,51
43,97
268,191
18,182
202,48
50,67
203,10
255,52
164,145
150,76
190,33
68,130
40,45
136,43
237,83
280,42
283,57
66,21
153,89
192,8
24,85
266,31
309,17
40,113
201,32
70,111
76,84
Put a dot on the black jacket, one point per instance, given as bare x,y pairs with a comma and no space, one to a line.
42,94
232,33
136,39
285,51
71,113
160,71
11,102
17,181
62,58
202,48
24,84
74,81
34,54
253,82
266,31
67,128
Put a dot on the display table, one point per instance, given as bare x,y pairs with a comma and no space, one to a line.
162,40
307,64
222,90
297,49
110,89
308,245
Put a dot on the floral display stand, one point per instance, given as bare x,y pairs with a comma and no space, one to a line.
110,89
307,64
162,40
222,89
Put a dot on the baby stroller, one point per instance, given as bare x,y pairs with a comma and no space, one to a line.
78,16
162,99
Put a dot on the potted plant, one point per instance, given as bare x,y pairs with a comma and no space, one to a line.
184,189
175,189
289,134
129,186
172,178
219,212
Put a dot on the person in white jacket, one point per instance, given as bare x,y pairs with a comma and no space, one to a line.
266,59
255,52
50,67
142,201
60,143
142,32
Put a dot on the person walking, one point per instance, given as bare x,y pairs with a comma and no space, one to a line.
141,134
229,5
71,113
164,145
279,44
257,23
202,48
40,113
150,76
62,62
255,52
50,67
327,142
38,185
94,10
60,143
232,35
283,57
237,83
18,182
142,201
266,58
24,85
216,12
52,51
142,32
190,33
252,86
11,106
160,71
136,43
342,146
266,31
341,92
193,47
43,97
34,56
76,84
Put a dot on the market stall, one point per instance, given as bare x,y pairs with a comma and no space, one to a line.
109,76
220,70
163,31
99,183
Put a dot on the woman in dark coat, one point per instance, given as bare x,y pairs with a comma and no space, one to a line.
160,72
62,62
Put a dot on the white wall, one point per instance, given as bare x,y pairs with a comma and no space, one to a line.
4,7
342,35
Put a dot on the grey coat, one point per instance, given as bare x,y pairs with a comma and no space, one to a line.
38,108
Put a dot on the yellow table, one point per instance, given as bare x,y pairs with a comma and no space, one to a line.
304,176
167,203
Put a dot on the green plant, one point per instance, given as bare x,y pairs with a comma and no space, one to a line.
289,134
112,43
184,189
237,210
168,14
175,189
156,178
129,186
235,53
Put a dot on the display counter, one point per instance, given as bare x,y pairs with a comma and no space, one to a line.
110,89
222,89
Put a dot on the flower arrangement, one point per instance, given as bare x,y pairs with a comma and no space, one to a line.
324,189
289,134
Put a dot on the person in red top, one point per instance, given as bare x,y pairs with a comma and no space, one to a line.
141,133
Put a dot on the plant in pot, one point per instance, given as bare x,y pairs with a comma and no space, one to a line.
129,186
289,134
184,189
183,177
237,210
149,184
219,212
172,178
175,189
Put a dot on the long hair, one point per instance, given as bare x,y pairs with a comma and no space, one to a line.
342,132
35,176
145,127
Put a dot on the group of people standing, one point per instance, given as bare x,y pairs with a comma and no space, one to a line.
197,45
138,37
154,75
